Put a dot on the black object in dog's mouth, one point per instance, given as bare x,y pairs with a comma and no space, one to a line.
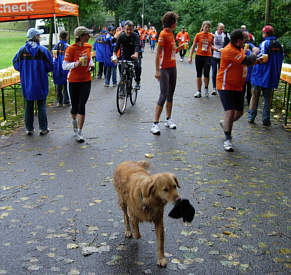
182,209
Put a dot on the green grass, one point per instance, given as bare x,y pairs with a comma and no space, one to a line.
10,42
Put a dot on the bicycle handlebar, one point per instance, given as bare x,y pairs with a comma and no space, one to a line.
123,61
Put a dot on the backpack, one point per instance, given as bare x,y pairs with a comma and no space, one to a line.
274,47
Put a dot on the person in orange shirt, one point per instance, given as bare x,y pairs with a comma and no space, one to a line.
153,38
230,80
183,37
78,60
204,40
166,73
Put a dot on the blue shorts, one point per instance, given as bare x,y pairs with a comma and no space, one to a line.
232,100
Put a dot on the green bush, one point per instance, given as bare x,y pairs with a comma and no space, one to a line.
285,40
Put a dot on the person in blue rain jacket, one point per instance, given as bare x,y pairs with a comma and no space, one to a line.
99,48
110,67
34,62
60,75
266,74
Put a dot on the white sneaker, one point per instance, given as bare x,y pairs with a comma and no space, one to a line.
29,133
155,129
227,145
181,60
214,92
197,94
75,126
79,137
170,124
206,92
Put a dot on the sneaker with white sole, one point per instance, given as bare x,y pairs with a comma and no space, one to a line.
75,126
227,145
214,92
155,129
44,132
79,137
197,94
206,92
29,133
170,124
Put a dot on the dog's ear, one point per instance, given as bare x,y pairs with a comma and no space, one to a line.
176,180
149,188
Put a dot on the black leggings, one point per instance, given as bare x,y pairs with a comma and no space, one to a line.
167,85
79,92
202,63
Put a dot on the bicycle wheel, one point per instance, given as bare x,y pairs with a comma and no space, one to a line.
121,98
133,96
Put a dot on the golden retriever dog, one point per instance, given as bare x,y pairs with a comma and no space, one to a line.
143,196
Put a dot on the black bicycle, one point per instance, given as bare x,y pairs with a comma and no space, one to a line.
125,88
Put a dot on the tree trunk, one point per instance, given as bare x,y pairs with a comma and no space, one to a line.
268,12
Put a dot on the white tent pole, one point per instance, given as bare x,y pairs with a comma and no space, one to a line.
56,30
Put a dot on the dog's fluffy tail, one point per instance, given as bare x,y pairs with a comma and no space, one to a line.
145,164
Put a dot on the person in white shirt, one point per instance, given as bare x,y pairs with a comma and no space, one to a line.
221,39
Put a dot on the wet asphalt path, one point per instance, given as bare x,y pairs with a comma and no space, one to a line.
56,195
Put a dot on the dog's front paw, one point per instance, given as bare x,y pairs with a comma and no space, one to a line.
128,234
136,235
162,262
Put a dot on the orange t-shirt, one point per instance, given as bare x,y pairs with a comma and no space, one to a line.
153,35
168,55
232,74
72,54
182,37
204,41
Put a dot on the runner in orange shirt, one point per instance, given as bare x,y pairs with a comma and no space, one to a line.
153,38
183,37
78,60
204,40
166,73
230,80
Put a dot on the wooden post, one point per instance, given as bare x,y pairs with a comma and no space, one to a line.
268,12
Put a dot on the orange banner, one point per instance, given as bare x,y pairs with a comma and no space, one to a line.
12,10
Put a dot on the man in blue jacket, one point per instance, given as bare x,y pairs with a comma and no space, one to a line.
60,75
99,48
266,75
110,67
34,61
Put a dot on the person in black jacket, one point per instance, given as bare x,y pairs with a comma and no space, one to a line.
129,43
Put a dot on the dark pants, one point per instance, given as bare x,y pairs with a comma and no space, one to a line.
247,90
62,94
182,53
79,92
29,114
167,85
215,63
137,69
101,70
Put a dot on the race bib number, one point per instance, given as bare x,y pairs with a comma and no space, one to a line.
204,45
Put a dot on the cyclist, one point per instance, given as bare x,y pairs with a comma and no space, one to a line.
129,43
